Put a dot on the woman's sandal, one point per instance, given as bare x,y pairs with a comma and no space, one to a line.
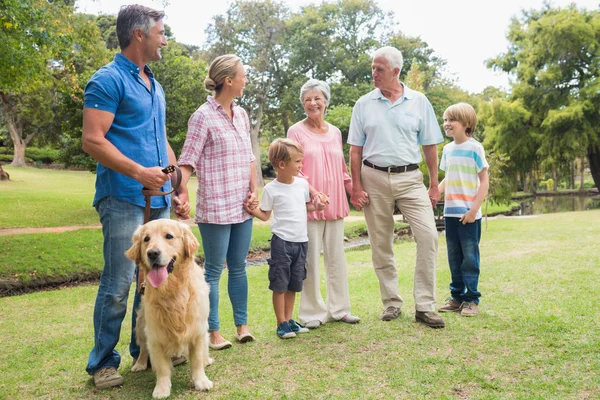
244,337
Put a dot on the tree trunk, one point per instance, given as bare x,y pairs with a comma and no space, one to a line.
4,176
532,182
524,183
255,146
15,129
582,174
593,153
572,182
555,180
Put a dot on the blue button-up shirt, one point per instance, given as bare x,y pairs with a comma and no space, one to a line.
390,134
138,129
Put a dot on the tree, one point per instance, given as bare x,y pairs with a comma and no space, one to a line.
554,55
36,41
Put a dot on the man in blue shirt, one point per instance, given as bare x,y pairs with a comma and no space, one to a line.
388,126
124,130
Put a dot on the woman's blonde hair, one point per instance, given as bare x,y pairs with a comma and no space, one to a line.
280,150
221,68
463,113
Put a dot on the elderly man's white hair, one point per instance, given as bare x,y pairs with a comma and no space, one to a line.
392,55
315,84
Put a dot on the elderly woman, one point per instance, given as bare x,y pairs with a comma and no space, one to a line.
218,148
325,168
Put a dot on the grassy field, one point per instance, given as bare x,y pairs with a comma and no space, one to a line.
39,198
537,336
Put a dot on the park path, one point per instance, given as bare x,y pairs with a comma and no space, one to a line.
60,229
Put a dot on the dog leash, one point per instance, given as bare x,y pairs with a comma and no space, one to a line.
175,183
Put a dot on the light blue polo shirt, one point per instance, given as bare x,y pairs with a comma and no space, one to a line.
390,134
138,129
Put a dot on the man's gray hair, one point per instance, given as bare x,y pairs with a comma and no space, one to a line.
392,55
134,17
315,84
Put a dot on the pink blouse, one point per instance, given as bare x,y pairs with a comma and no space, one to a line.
220,151
325,168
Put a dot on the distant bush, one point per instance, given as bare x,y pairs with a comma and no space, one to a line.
45,155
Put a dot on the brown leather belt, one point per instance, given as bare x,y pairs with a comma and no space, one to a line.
393,169
175,183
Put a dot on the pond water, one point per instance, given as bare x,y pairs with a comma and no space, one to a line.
555,204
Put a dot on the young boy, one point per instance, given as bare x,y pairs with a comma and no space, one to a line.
466,185
288,197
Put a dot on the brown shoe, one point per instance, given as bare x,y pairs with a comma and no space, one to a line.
107,377
469,309
451,305
430,319
390,313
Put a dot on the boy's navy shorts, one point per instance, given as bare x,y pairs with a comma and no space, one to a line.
287,265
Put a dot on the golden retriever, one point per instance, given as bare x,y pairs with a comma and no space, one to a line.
173,317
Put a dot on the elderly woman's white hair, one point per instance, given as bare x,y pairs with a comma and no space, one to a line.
315,84
392,55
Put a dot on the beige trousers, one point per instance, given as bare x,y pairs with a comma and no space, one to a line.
329,236
407,192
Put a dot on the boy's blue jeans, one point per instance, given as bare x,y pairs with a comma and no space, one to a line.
462,242
119,220
231,243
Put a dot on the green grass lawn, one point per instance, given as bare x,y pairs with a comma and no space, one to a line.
38,198
537,336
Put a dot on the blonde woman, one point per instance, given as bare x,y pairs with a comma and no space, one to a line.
218,148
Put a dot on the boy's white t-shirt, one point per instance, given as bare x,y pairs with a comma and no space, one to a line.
288,203
462,163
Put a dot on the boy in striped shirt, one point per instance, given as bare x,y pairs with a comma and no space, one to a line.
466,185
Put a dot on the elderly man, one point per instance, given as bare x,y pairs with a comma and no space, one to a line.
388,126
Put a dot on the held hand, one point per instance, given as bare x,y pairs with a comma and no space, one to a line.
249,210
359,199
153,178
319,204
434,195
251,201
323,198
181,205
469,217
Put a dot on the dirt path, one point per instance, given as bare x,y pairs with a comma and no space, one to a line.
60,229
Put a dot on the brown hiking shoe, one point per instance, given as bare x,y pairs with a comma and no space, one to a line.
469,309
390,313
451,305
430,319
107,377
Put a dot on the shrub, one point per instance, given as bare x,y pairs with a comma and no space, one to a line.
45,154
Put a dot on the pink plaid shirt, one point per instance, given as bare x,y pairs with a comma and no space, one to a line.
220,151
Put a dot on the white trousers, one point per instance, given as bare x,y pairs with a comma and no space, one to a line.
329,236
407,192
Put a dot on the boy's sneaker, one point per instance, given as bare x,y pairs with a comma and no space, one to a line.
107,377
284,331
451,305
296,327
469,309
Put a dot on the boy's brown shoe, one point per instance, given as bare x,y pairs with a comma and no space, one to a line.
430,319
451,305
107,377
469,309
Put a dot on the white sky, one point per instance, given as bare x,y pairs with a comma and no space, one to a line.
463,32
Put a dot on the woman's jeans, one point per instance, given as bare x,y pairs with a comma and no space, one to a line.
119,221
463,257
231,243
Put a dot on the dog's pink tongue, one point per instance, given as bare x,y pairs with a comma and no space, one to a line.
157,276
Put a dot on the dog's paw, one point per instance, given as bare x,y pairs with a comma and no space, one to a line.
138,367
161,392
203,384
211,361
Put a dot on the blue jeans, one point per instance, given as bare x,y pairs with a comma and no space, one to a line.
463,257
231,243
119,220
